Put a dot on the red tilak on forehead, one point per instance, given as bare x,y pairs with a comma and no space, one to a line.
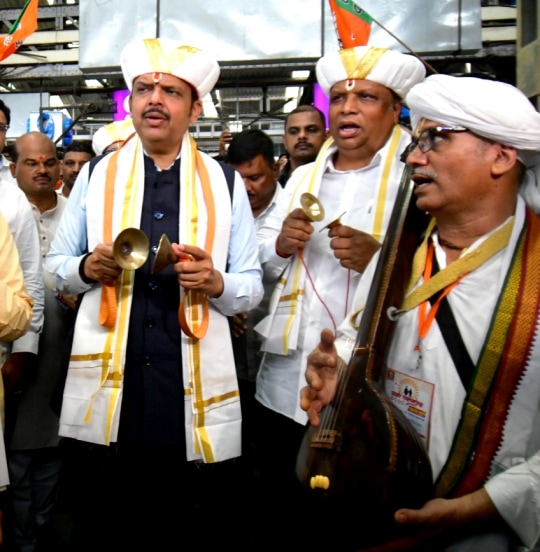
41,158
156,77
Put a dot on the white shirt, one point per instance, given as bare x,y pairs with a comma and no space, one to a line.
350,194
515,483
18,214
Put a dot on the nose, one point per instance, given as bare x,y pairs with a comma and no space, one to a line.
350,105
155,96
416,157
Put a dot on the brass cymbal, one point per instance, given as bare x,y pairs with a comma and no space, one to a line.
312,207
131,248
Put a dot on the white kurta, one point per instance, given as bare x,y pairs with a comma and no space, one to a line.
329,287
515,486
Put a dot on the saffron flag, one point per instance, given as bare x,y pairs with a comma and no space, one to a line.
353,24
23,27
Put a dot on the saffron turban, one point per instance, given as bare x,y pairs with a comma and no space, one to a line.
492,109
392,69
163,55
105,136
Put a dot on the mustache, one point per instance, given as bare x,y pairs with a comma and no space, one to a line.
155,110
424,173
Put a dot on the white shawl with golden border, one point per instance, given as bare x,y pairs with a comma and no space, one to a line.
93,390
282,325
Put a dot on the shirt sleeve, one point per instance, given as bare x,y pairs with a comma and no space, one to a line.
243,289
273,264
70,243
516,495
25,234
15,303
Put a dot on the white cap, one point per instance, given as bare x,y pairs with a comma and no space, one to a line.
163,55
395,70
117,131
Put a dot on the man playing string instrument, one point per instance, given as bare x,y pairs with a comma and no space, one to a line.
476,143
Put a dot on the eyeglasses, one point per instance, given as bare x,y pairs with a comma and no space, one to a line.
3,128
427,139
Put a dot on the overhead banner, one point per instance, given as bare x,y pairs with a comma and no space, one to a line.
243,31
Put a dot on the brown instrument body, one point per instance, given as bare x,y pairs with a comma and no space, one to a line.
365,460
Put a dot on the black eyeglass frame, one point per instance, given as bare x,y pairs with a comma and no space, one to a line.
425,140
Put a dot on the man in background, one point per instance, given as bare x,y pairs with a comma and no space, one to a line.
34,455
15,316
305,133
5,119
111,136
76,155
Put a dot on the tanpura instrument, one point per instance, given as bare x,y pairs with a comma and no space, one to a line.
365,460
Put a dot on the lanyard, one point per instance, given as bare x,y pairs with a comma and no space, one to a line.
425,319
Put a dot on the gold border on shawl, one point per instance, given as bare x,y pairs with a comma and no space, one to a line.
478,393
514,362
218,399
469,262
197,165
383,187
116,332
378,219
360,68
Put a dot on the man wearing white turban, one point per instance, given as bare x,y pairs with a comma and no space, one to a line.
109,137
473,141
316,267
151,403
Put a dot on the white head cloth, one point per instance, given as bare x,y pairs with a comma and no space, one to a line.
392,69
492,109
163,55
117,131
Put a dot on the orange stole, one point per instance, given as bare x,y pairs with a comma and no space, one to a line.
476,443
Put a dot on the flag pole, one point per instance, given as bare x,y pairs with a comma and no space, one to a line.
427,65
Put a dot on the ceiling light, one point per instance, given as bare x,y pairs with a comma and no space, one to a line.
299,75
93,83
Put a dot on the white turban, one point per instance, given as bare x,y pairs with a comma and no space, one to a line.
492,109
392,69
117,131
163,55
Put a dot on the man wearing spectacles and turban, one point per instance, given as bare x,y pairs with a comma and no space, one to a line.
474,155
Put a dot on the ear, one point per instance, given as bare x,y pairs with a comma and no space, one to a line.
397,111
196,110
505,160
12,168
276,170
